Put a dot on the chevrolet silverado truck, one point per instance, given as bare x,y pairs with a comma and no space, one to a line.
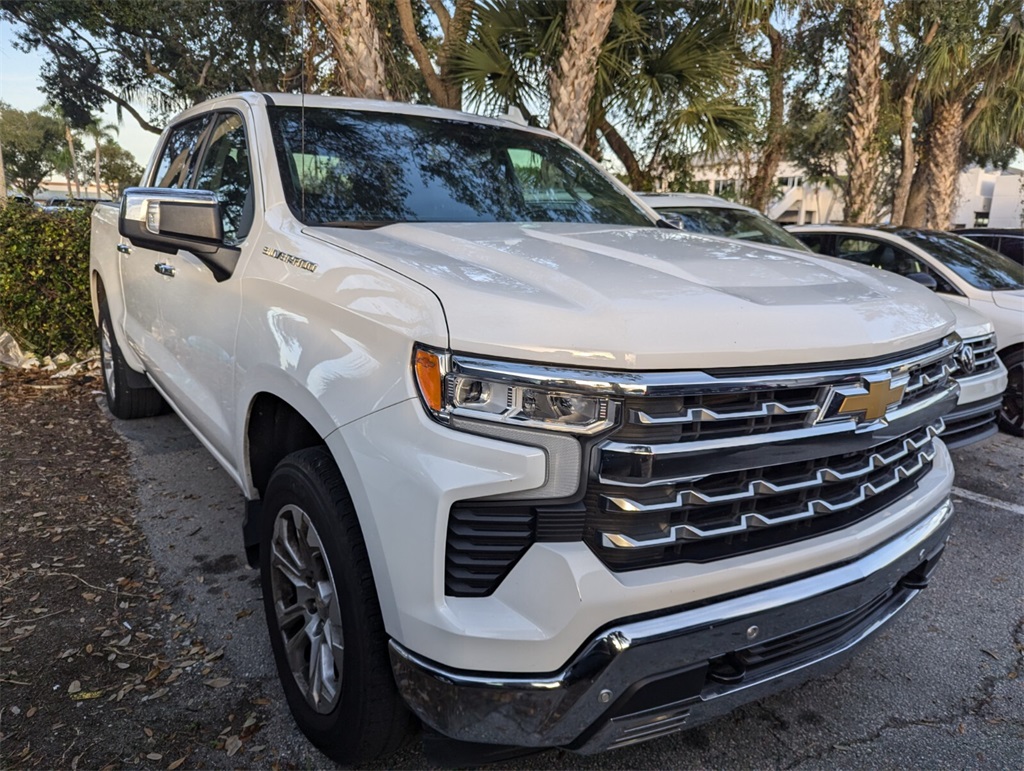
523,464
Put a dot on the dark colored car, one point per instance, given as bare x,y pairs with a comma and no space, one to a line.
1008,241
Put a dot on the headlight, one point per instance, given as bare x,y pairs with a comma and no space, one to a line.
503,392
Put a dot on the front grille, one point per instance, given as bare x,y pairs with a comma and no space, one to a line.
707,466
740,410
722,515
985,357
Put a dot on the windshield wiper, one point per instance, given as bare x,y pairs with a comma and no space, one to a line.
355,224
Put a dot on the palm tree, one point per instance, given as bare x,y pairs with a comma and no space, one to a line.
99,131
572,83
970,97
354,34
864,84
662,77
68,160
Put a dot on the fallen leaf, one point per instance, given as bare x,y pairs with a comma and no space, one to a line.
86,695
177,763
31,711
214,656
75,687
155,756
218,682
232,744
148,732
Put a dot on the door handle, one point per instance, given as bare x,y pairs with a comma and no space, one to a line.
124,249
164,269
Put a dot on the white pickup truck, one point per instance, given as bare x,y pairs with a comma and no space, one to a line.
522,462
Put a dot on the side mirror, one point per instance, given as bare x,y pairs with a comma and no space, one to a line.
169,219
924,280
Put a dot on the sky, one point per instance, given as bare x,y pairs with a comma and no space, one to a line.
19,87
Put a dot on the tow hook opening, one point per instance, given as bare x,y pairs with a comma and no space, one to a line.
919,577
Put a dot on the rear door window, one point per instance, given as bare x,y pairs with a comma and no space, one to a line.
885,256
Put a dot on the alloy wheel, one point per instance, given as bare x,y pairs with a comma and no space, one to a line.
107,358
306,608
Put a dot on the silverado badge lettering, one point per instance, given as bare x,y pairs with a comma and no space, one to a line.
290,259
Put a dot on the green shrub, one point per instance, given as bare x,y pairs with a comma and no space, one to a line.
44,279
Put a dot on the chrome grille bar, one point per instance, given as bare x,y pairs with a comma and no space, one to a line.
812,508
757,487
704,414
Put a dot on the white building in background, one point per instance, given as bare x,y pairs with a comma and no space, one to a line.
986,198
797,202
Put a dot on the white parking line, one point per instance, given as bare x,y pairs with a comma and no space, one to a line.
995,503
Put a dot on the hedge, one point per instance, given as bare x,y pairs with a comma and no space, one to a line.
44,279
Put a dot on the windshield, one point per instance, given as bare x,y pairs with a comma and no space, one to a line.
366,169
977,265
730,223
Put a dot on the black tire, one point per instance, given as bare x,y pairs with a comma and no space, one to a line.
1011,414
125,400
308,507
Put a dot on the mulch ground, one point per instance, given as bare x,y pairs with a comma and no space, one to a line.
89,645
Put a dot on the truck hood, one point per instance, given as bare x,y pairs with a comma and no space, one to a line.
648,298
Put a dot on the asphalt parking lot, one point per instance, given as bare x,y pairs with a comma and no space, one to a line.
938,688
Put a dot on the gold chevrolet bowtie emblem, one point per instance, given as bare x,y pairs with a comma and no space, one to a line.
880,396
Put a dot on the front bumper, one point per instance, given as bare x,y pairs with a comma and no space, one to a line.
640,679
977,409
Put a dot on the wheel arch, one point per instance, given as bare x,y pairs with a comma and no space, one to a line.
1010,349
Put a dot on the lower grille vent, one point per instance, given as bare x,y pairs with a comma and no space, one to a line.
483,545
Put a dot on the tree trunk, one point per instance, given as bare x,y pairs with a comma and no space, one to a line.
73,171
944,163
763,181
901,195
572,84
916,212
443,89
356,41
3,176
638,179
97,169
865,89
454,41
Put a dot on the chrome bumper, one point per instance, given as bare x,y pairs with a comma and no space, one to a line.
646,678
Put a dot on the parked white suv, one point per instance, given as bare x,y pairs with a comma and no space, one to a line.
714,216
959,270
